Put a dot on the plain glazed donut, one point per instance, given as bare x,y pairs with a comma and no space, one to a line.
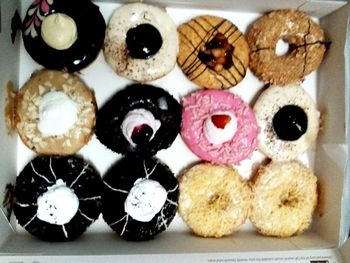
214,200
213,53
141,42
306,46
284,199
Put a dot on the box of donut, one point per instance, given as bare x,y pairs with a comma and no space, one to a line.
174,131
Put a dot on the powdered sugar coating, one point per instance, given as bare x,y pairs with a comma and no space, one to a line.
200,105
115,49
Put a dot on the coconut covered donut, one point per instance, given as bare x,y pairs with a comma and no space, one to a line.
213,52
288,120
141,42
55,113
306,46
57,198
284,199
214,200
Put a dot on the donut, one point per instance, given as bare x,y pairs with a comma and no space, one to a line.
63,34
146,120
306,42
214,200
213,53
55,113
288,120
284,199
140,197
218,126
141,42
57,198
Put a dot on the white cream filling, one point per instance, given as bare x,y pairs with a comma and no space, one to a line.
59,31
138,117
58,205
145,199
57,113
217,135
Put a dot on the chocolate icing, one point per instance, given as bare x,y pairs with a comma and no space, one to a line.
91,31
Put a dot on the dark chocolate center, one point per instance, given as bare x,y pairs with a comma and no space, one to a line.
290,123
141,134
143,41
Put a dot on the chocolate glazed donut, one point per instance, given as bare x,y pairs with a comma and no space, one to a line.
90,27
213,53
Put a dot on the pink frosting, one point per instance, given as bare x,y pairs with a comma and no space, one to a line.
200,105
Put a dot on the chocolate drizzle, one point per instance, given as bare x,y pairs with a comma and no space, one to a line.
193,63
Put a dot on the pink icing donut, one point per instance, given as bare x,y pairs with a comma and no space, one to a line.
218,126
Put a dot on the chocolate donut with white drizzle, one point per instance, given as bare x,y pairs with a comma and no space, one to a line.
57,198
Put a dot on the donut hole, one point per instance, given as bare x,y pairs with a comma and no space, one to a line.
219,201
289,199
282,48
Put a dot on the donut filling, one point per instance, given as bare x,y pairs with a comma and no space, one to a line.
58,205
59,31
217,53
143,41
290,123
220,127
139,126
145,199
57,114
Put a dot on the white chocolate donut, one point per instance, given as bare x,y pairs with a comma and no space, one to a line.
269,103
116,51
284,199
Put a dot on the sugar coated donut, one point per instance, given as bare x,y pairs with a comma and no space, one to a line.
146,120
140,197
214,200
288,120
213,52
55,113
284,199
306,46
57,198
218,126
63,34
141,42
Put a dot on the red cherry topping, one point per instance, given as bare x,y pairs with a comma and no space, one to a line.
141,134
220,120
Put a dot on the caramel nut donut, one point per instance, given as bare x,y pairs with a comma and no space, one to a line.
214,200
284,199
213,53
306,46
55,113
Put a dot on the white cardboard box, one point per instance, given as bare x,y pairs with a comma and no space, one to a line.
329,86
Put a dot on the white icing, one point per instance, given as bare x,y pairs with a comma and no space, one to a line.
217,135
59,31
138,117
145,199
58,204
57,113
